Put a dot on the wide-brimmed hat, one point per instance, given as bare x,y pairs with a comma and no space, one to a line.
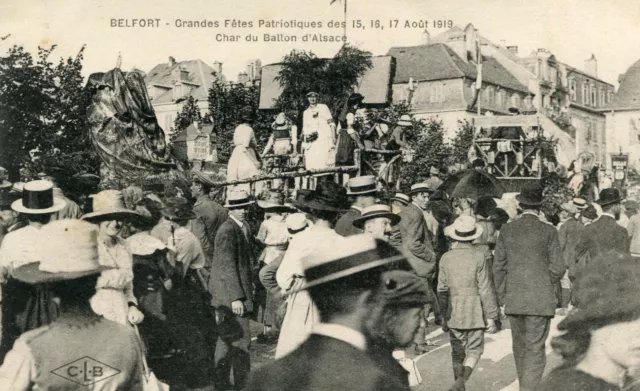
37,198
327,196
405,120
178,209
464,229
275,200
401,288
401,198
296,222
199,177
580,203
374,212
109,205
348,256
421,188
607,293
530,197
362,185
69,250
609,196
238,199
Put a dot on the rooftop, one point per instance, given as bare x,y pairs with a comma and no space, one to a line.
191,133
200,76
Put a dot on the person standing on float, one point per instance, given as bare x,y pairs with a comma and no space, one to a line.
318,135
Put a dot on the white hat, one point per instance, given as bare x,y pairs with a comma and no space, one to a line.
402,198
365,184
109,205
69,250
421,188
464,229
296,222
37,198
238,199
376,211
405,120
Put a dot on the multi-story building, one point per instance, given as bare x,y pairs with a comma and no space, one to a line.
196,144
438,79
623,117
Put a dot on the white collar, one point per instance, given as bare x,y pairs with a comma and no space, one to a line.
240,223
530,213
342,333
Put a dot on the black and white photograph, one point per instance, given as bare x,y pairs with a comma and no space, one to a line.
320,195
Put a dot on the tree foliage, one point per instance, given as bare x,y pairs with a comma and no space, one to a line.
189,114
43,114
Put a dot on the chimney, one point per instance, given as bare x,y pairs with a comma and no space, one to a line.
250,70
470,43
243,78
591,66
217,68
172,62
513,49
426,37
258,68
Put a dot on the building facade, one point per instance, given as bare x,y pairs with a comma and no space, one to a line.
197,145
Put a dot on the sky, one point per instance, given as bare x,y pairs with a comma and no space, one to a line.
573,30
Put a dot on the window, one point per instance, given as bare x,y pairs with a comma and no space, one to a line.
201,150
573,90
528,103
436,93
609,96
593,96
601,102
585,93
500,98
515,100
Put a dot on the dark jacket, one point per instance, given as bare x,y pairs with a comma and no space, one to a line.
231,269
415,239
345,227
527,265
324,364
212,215
569,234
599,237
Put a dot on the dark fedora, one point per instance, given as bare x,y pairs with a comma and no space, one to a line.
328,196
355,98
178,209
486,206
530,197
609,196
374,212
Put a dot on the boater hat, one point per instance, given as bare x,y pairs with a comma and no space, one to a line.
296,222
37,198
109,205
401,198
362,185
580,203
405,120
238,199
374,212
464,229
347,257
421,188
69,250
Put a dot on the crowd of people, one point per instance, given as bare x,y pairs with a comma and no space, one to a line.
165,286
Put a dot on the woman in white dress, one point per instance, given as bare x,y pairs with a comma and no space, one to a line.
318,135
324,203
244,162
114,298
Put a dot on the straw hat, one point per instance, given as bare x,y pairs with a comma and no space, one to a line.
362,185
405,120
347,257
275,200
464,229
109,205
238,199
401,198
37,198
580,203
374,212
69,250
421,188
296,222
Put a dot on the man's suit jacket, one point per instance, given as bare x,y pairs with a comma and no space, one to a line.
324,364
230,278
345,227
212,215
416,241
599,237
569,234
527,265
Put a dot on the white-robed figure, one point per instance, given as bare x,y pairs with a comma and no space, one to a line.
318,135
244,162
114,298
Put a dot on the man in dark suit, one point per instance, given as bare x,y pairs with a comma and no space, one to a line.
362,190
569,233
343,281
413,232
210,213
527,265
603,235
231,288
